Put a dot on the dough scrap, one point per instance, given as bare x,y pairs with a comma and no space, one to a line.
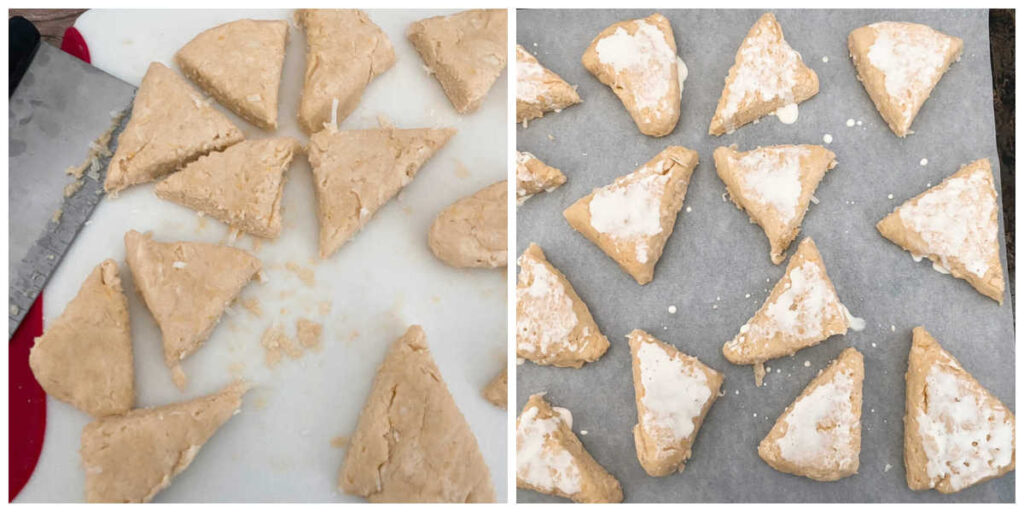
534,176
538,89
473,231
496,391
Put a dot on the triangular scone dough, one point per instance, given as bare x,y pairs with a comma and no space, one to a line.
818,435
899,65
637,59
802,311
956,433
767,76
465,52
344,52
550,459
240,186
85,357
538,89
955,224
674,392
774,185
134,456
239,64
473,231
496,391
171,124
186,286
357,171
411,443
534,176
631,219
553,325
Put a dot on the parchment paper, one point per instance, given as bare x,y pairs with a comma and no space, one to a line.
715,257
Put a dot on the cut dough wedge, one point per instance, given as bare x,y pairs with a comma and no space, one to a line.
956,433
954,224
171,124
534,176
239,64
473,231
631,219
899,65
240,186
538,89
465,52
818,435
774,185
496,391
801,311
674,392
767,76
411,443
637,59
345,51
132,457
358,171
553,325
85,356
550,459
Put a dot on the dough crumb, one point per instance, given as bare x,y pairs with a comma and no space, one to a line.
276,344
309,333
253,306
307,275
324,307
460,170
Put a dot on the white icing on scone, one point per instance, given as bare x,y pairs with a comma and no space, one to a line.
910,60
771,177
630,209
540,461
674,394
546,318
820,427
767,70
644,54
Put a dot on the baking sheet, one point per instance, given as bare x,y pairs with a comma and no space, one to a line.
279,448
715,257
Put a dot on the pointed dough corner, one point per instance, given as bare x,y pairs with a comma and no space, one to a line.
538,89
473,231
534,176
496,391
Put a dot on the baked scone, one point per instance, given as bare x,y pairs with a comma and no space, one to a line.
553,325
473,231
899,65
818,435
801,311
955,432
496,391
774,185
358,171
768,75
465,52
134,456
538,89
534,176
411,443
171,125
637,59
240,186
954,224
674,392
550,459
85,357
239,64
345,51
186,286
632,218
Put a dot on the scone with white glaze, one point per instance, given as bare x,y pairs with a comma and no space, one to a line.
538,89
473,231
534,176
818,435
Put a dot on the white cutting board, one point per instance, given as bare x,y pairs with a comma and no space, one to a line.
279,447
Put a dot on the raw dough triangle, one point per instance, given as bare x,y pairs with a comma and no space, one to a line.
674,392
496,391
239,64
955,224
553,325
637,59
538,89
473,231
802,311
240,186
357,171
85,357
411,443
171,124
899,65
186,286
534,176
465,52
550,459
631,219
132,457
956,433
774,185
767,76
345,51
818,435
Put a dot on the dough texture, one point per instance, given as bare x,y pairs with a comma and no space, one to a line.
473,231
